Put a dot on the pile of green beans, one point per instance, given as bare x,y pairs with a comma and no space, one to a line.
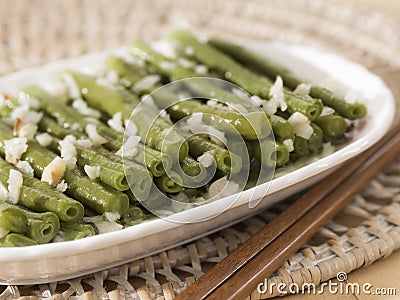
166,155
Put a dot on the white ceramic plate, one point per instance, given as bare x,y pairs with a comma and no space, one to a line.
50,262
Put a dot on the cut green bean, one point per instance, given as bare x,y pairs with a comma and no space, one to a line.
74,231
316,140
282,129
12,219
301,148
110,101
226,162
270,153
333,126
91,193
41,197
240,75
43,227
130,73
202,88
251,127
134,216
16,240
170,183
271,69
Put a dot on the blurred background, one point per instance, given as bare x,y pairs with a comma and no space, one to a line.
39,31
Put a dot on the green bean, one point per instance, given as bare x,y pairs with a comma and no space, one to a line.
155,162
134,216
65,115
282,129
226,162
12,219
202,88
16,240
89,192
146,156
120,100
315,142
39,196
333,126
129,72
158,134
99,197
240,75
270,153
108,100
47,124
301,148
111,172
169,183
250,126
271,69
309,107
43,227
191,167
69,121
74,231
220,62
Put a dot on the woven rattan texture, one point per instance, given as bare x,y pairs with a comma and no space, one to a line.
39,31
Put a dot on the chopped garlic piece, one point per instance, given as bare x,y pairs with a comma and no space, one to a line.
15,181
326,111
201,70
85,143
301,125
105,226
54,171
94,136
222,188
72,86
129,147
44,139
289,144
206,160
68,151
58,89
111,216
62,186
112,77
23,112
92,172
146,83
131,128
25,168
25,99
276,93
102,224
116,122
82,107
3,193
14,148
195,124
27,130
302,89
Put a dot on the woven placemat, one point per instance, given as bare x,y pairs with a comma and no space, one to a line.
39,31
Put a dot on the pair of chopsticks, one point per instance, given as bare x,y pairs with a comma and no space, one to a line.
237,275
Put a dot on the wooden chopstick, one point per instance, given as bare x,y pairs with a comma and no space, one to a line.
238,274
